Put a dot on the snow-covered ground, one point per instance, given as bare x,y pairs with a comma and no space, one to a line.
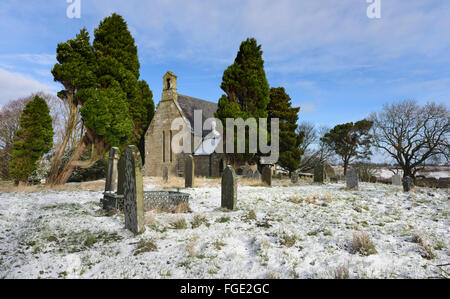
301,231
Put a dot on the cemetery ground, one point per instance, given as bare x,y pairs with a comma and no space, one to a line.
305,230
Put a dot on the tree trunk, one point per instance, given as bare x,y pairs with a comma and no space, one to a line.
64,175
71,125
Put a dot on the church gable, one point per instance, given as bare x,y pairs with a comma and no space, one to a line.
158,138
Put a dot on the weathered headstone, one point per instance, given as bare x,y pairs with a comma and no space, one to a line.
329,171
408,184
133,188
250,174
294,177
352,179
189,172
257,175
110,198
111,170
397,180
229,189
166,174
267,175
319,173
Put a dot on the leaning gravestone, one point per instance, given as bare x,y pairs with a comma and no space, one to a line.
133,188
397,180
267,175
319,173
189,172
229,189
408,184
257,175
294,177
166,174
352,179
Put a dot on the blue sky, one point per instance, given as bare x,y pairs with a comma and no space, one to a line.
335,62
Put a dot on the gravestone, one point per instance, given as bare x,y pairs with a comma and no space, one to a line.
229,189
319,173
267,175
189,172
166,174
133,188
294,177
329,171
257,175
397,180
249,174
111,171
408,184
352,179
110,199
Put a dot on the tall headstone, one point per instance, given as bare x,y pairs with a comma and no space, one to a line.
267,175
166,174
330,174
229,189
408,184
352,179
133,188
294,177
257,175
397,180
189,172
111,170
319,173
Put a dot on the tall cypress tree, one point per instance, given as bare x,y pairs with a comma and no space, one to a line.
247,92
115,108
280,107
33,139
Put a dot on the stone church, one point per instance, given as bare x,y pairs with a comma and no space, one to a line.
158,139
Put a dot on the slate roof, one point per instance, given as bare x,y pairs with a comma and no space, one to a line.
189,105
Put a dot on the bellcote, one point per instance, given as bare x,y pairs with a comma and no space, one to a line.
169,87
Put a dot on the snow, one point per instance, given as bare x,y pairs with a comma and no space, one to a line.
65,234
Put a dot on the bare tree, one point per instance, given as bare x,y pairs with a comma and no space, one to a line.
412,135
315,150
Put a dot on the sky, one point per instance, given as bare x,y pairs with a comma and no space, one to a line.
335,62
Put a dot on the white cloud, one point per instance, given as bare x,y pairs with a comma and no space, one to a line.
14,85
308,107
297,36
39,59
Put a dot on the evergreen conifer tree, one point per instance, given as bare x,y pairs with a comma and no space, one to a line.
33,139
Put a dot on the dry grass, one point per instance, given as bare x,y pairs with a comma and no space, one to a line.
341,272
180,223
145,246
319,199
295,199
362,244
198,221
150,218
9,187
427,251
182,208
191,247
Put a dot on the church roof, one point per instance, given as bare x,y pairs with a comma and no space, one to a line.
189,105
